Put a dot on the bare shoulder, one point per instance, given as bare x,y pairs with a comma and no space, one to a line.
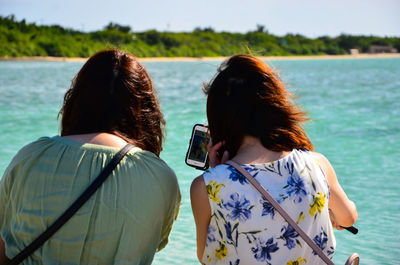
199,199
198,186
328,169
323,161
199,196
320,157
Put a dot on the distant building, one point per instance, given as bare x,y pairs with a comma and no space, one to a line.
354,51
381,49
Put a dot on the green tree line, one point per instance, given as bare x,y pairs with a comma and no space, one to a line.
19,38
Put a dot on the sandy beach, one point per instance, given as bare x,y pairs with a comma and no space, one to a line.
194,59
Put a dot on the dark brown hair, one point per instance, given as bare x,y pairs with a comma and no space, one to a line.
247,98
113,93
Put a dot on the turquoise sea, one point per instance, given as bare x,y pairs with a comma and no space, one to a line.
354,106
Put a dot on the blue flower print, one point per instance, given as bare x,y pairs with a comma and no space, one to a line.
210,233
264,249
330,251
289,235
228,230
295,187
321,240
268,209
236,176
251,169
239,207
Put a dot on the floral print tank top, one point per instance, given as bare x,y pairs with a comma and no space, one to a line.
246,229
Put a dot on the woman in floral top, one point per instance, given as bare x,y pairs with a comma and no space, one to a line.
253,121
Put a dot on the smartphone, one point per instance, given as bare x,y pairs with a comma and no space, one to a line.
197,155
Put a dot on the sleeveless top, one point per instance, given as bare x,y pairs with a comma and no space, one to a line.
126,220
245,229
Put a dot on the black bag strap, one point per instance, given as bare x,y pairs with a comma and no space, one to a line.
82,199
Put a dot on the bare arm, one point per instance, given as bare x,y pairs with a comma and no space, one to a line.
343,210
201,212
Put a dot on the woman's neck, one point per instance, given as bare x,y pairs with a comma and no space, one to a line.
251,151
106,139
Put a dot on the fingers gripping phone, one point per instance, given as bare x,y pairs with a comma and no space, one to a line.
197,155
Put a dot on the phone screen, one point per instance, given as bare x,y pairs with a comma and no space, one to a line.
198,152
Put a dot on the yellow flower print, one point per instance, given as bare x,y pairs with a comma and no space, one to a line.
222,252
318,205
299,261
317,162
212,189
301,217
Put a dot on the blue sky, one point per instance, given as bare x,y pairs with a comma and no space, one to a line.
311,18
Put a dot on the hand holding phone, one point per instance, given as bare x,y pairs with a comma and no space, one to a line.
332,217
214,154
197,155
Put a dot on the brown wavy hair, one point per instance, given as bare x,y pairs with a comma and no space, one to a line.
247,98
113,93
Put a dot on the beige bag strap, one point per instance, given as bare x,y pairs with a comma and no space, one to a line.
285,215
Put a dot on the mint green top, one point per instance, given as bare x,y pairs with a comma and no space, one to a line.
126,221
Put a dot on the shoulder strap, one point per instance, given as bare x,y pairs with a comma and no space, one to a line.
84,197
281,211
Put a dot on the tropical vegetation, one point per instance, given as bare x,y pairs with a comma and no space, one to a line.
19,38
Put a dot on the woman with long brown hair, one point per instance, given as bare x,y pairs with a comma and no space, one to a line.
111,102
253,120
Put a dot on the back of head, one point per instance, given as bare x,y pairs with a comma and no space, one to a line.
113,93
247,98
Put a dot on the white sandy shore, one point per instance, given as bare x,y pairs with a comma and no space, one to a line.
194,59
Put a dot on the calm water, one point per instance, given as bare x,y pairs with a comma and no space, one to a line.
355,110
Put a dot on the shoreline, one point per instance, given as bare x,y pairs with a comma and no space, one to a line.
196,59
